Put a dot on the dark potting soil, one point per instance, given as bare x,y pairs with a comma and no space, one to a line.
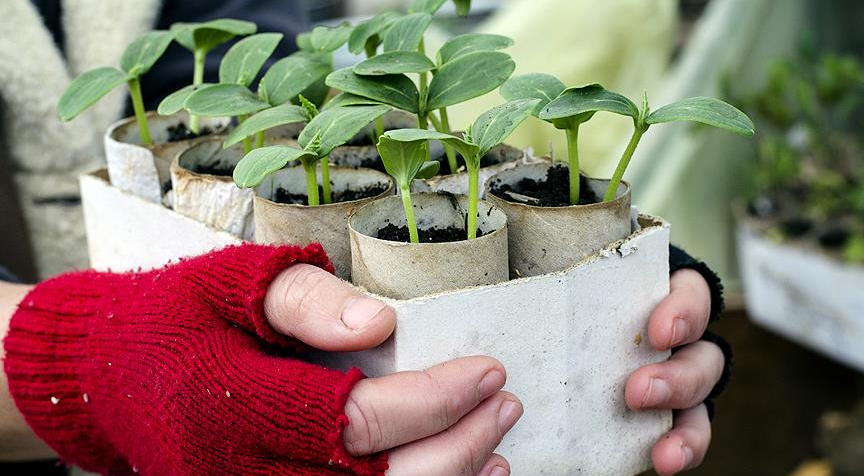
182,132
796,227
283,196
214,169
450,234
834,237
554,191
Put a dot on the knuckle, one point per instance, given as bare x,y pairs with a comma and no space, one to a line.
363,434
303,289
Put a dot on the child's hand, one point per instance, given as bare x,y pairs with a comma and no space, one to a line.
684,381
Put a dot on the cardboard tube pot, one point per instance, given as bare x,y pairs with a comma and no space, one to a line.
550,239
501,157
205,191
144,170
367,155
407,270
326,224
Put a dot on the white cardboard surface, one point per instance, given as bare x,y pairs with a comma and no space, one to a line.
569,340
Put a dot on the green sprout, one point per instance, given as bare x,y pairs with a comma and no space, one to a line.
138,58
326,131
489,130
200,39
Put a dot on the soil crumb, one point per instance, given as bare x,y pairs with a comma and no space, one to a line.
450,234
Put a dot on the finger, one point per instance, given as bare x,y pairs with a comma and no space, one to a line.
495,466
686,445
681,382
389,411
464,448
323,311
681,318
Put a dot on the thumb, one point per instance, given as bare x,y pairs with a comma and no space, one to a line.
312,305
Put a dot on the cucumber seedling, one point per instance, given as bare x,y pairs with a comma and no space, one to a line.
200,39
328,130
581,101
489,130
138,58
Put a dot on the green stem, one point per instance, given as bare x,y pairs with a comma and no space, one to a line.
405,191
450,151
573,165
325,180
379,128
311,182
197,79
422,116
247,141
436,124
473,199
140,112
259,139
612,191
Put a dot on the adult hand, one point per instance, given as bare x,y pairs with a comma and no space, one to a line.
684,381
444,421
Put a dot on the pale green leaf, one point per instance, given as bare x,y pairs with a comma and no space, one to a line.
348,99
405,33
208,35
266,120
710,111
426,6
88,88
585,101
289,77
244,59
496,124
467,149
429,169
367,34
338,125
260,163
144,51
544,87
394,62
175,101
223,100
328,39
393,89
463,44
468,77
403,160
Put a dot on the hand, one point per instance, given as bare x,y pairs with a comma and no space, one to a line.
684,381
443,421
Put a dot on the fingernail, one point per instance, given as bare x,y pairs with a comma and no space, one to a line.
657,393
491,383
508,415
359,312
680,330
687,453
499,471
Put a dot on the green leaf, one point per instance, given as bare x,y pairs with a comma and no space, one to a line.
266,120
429,169
307,105
208,35
403,160
244,60
426,6
544,87
175,101
223,100
463,7
304,41
394,62
496,124
585,101
144,51
467,149
713,112
289,77
348,99
369,32
87,89
405,33
338,125
328,39
393,89
468,77
463,44
260,163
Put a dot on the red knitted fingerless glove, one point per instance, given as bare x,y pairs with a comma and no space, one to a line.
177,372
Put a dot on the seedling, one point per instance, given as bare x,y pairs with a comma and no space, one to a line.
328,130
489,130
200,39
467,66
138,58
